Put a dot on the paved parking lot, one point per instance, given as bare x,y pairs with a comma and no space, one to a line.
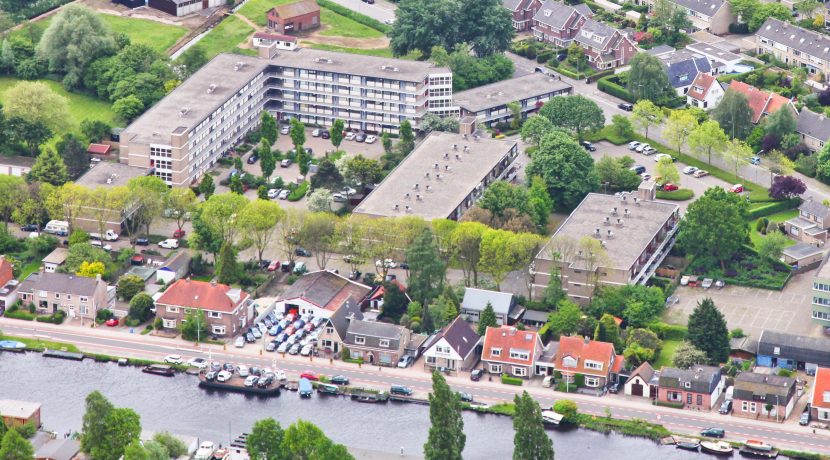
753,309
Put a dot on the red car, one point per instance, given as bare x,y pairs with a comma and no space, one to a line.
179,234
737,188
669,187
112,322
274,266
309,375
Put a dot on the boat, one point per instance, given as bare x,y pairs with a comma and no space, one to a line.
159,369
688,445
754,453
205,451
717,448
758,445
237,384
550,417
369,397
326,389
305,388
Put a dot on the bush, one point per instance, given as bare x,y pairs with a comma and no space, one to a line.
298,193
674,405
772,208
682,194
566,387
668,331
737,333
579,380
56,318
508,380
567,409
103,315
785,373
354,16
609,85
19,314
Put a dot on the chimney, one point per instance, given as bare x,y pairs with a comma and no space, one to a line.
587,340
213,282
97,277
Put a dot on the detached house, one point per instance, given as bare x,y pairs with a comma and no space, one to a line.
698,387
508,350
814,129
558,23
705,92
594,360
820,396
754,392
334,331
321,293
227,310
294,17
683,67
503,303
643,382
375,342
453,347
522,12
811,224
710,15
761,102
77,296
606,47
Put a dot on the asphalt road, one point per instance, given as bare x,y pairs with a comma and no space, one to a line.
106,341
381,10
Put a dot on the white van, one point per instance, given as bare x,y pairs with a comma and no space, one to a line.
109,235
299,269
57,227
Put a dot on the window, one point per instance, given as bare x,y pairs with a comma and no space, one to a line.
495,368
219,330
752,407
383,343
329,330
593,365
699,400
520,354
826,396
687,384
169,309
83,299
519,371
356,354
569,361
688,398
57,296
430,359
68,296
214,314
592,382
674,396
359,340
169,323
495,352
444,350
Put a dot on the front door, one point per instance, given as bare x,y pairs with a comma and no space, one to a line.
204,4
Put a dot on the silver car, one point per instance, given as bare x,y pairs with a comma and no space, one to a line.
283,347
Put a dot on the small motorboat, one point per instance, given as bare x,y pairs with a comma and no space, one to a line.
758,445
717,448
688,445
550,417
159,369
305,388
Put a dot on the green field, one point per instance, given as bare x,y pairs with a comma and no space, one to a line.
381,52
81,106
256,10
225,37
156,35
341,26
780,217
667,354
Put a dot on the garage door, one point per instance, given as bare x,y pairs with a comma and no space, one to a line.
636,389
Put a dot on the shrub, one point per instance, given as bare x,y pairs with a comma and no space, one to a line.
298,193
785,373
579,380
567,409
56,318
674,405
19,314
609,85
668,331
773,208
355,16
737,333
508,380
565,387
682,194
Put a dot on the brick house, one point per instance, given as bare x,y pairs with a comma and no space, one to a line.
377,343
711,15
595,360
795,46
522,12
811,225
227,310
761,102
294,17
8,285
77,296
754,391
814,129
453,347
705,92
820,396
321,293
508,350
698,387
606,47
557,23
19,413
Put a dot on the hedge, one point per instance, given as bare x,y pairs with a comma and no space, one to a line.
19,314
682,194
668,331
508,380
298,193
605,85
355,16
56,318
566,72
773,208
674,405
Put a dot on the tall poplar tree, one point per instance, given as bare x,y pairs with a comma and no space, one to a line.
446,435
708,332
530,441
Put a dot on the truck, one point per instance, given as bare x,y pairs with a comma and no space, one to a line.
57,227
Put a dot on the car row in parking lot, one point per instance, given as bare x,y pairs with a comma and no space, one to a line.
291,334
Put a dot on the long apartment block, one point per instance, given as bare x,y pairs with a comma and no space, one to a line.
185,133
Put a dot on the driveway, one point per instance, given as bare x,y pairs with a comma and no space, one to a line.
753,309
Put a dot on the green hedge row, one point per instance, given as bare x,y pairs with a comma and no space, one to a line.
56,318
355,16
605,85
508,380
566,72
682,194
773,208
19,314
668,331
674,405
298,193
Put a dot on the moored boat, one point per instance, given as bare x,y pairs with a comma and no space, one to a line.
326,389
237,384
550,417
747,451
688,445
159,369
717,448
305,388
757,445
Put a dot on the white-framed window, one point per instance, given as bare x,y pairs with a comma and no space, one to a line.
440,349
592,382
355,354
219,330
359,340
569,361
214,314
83,310
169,323
329,330
169,309
68,296
495,352
776,351
825,397
57,295
430,359
593,365
383,343
495,368
520,354
520,371
84,299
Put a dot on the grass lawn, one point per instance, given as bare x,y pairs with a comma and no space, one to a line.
225,37
40,345
29,268
381,52
256,10
780,217
667,353
341,26
154,34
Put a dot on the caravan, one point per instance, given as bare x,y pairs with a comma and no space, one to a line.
57,227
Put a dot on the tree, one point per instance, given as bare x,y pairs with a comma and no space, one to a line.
566,319
128,107
15,447
644,338
667,171
128,286
267,161
194,326
466,240
122,426
48,168
737,152
206,186
616,173
648,79
337,133
744,9
320,200
259,220
708,138
576,56
95,130
136,451
708,332
646,115
567,409
146,197
141,306
780,123
487,27
534,128
446,434
568,171
503,251
679,127
318,233
94,428
784,187
540,203
182,201
265,440
74,155
766,11
622,126
733,114
7,58
807,8
713,225
236,185
32,134
530,441
35,102
268,128
191,60
487,319
385,140
577,114
427,270
12,191
173,446
608,331
75,38
687,355
304,441
227,268
361,171
501,196
91,269
771,247
395,301
297,134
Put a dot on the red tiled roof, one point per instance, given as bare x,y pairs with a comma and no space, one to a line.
99,149
776,101
6,271
704,81
202,295
761,102
379,292
821,385
292,10
618,364
507,338
267,36
577,348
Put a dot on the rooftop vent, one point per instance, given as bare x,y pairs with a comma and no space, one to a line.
238,66
408,209
415,187
636,201
627,213
438,176
620,222
322,60
610,234
406,196
395,208
429,188
183,112
389,68
596,232
435,166
211,88
614,211
419,198
455,146
426,175
607,220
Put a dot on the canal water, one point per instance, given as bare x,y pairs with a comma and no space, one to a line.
177,405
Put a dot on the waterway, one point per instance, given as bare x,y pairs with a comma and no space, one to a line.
177,405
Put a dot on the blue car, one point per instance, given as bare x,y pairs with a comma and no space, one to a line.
756,160
274,330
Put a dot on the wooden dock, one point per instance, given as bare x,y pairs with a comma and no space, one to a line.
60,354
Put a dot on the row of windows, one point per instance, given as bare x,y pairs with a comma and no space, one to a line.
161,152
822,315
821,301
821,286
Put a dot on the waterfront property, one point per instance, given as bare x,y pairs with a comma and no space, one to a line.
294,17
812,223
476,300
698,387
795,46
489,103
19,413
185,134
757,395
443,177
375,342
321,294
594,360
77,296
453,347
814,129
334,330
643,381
820,395
789,351
227,310
508,350
635,231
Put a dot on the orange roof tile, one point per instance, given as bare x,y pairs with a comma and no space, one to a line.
704,81
776,101
821,385
6,271
757,98
508,338
577,348
203,295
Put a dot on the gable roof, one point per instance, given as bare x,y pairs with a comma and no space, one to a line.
291,10
460,336
684,69
749,384
595,28
557,15
63,283
477,299
340,319
796,347
704,7
812,124
99,149
512,5
700,379
706,82
814,208
797,38
583,9
761,102
6,271
57,256
507,338
326,290
176,261
203,295
645,371
373,332
821,386
582,349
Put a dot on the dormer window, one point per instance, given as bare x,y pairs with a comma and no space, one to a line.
359,340
687,384
569,361
495,352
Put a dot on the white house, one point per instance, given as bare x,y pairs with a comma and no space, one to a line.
705,92
453,347
503,303
642,382
321,293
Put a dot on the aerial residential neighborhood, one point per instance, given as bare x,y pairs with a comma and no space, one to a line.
568,218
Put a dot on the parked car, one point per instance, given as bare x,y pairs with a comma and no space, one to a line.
725,407
274,193
756,160
689,170
466,397
737,188
251,381
640,148
142,241
804,420
240,342
713,432
405,361
295,349
170,243
669,187
243,370
649,151
198,363
588,146
306,350
285,129
28,228
272,346
476,374
614,388
257,333
253,159
701,173
633,145
625,106
284,194
283,348
400,390
302,252
112,322
250,338
360,137
639,169
349,136
339,380
316,132
325,134
179,234
223,376
309,375
370,139
274,266
173,359
660,156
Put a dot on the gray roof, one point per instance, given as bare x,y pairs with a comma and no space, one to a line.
596,28
701,379
660,49
800,348
460,335
747,344
506,91
645,371
339,320
682,67
326,290
177,261
814,208
749,384
555,14
374,331
110,173
57,256
357,64
142,271
512,5
814,125
803,40
705,7
477,299
801,250
584,10
59,449
16,160
536,316
466,172
62,283
719,51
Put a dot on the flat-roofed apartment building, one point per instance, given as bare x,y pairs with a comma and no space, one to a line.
442,177
635,233
185,133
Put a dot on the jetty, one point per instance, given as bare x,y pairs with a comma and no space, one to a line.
61,354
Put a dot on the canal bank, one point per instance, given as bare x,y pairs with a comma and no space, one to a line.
177,404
